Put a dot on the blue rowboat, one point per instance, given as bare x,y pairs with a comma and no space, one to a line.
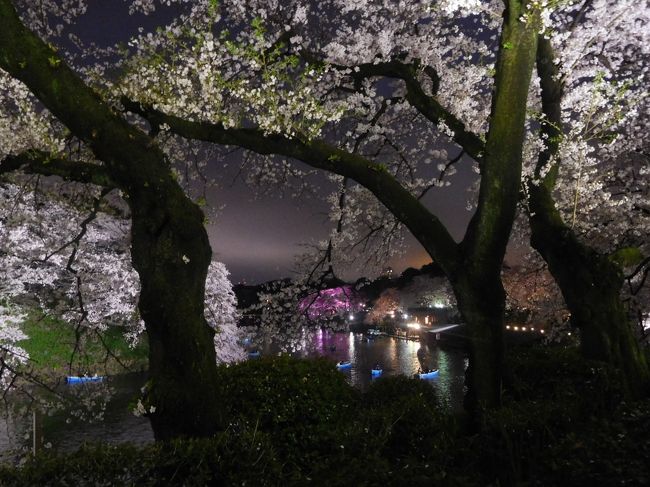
254,353
344,364
428,375
79,379
376,372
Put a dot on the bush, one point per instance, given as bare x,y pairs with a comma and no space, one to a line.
606,451
297,422
306,405
228,459
562,376
282,391
405,415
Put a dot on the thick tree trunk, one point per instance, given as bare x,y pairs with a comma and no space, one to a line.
170,248
591,285
481,304
171,252
477,284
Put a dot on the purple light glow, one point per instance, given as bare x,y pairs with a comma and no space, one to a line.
328,303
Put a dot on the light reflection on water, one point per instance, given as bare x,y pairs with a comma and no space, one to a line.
397,356
120,425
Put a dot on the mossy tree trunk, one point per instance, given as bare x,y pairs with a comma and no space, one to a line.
477,285
170,247
590,281
481,303
591,285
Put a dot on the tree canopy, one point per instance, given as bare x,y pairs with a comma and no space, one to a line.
544,99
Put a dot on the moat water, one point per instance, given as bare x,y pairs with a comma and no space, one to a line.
63,430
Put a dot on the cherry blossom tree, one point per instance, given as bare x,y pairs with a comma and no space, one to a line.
390,99
65,250
342,87
169,245
533,295
222,314
428,291
587,207
387,302
12,356
372,70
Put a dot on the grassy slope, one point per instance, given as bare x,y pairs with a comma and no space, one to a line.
51,344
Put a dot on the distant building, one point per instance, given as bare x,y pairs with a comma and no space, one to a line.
426,316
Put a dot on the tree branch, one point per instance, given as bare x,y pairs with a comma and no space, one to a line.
321,155
427,105
39,162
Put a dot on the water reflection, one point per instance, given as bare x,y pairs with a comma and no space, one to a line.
68,428
67,433
397,356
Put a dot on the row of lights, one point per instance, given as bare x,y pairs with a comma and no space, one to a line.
523,328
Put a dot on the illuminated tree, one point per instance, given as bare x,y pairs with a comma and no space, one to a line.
532,293
296,94
381,97
330,303
384,74
11,355
169,245
587,207
428,291
64,249
385,305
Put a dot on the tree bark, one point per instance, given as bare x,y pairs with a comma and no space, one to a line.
171,252
481,301
591,286
478,287
590,282
170,247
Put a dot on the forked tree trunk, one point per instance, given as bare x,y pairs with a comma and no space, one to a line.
477,282
474,265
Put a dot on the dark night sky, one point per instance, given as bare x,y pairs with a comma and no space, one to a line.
258,237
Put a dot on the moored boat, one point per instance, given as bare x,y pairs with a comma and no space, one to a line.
344,364
427,375
376,371
78,379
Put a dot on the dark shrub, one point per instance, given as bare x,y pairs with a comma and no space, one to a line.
406,415
228,459
306,405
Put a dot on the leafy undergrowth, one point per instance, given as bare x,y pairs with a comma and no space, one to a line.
297,422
